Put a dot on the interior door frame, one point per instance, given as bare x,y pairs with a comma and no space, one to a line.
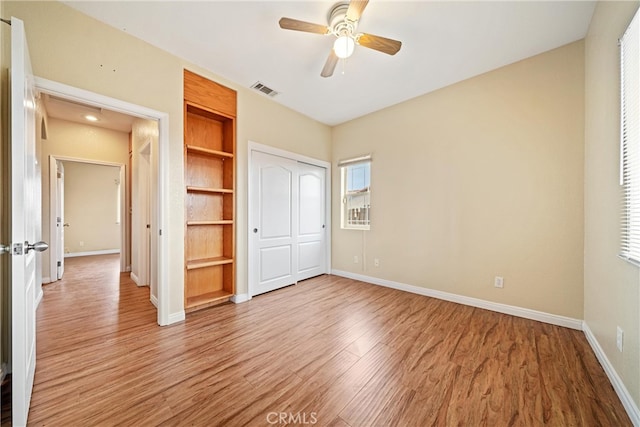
160,177
53,244
254,146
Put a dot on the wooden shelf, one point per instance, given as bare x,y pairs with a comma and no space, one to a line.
208,298
206,151
210,181
208,262
192,189
216,222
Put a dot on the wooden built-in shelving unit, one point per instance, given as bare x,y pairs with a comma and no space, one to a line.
209,152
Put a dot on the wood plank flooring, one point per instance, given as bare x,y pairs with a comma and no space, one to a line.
329,351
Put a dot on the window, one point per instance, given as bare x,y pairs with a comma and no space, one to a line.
356,192
630,141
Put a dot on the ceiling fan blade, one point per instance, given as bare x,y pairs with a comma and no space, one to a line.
330,65
356,7
381,44
307,27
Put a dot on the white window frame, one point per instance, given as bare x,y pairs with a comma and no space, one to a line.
630,142
345,222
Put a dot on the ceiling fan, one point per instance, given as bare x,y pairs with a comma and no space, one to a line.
343,22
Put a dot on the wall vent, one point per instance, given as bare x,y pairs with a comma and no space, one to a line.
260,87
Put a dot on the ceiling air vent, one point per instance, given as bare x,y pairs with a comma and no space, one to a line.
264,89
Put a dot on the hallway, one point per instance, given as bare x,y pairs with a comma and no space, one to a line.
92,292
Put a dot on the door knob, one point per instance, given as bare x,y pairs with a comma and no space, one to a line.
255,230
5,249
38,246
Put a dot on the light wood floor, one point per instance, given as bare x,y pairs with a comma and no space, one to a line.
328,351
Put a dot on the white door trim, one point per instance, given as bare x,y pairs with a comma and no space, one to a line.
162,204
254,146
53,245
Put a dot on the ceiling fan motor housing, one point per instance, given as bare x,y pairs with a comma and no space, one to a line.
338,22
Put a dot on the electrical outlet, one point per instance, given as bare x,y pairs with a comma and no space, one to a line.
619,338
355,259
498,282
376,262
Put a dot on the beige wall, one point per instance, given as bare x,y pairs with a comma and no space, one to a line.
611,286
78,141
479,179
71,48
90,207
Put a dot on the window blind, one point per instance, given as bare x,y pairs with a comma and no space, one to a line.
354,160
630,141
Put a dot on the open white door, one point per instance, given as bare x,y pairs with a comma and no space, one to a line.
25,205
144,204
60,224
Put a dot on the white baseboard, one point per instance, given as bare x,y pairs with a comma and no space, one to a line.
176,317
240,298
526,313
46,280
136,279
90,253
154,301
626,399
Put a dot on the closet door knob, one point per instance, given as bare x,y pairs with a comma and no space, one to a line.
255,230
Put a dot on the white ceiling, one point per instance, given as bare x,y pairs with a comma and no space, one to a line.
443,42
59,108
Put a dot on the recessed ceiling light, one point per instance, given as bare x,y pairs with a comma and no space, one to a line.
91,118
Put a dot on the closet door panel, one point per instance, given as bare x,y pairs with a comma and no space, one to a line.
311,236
275,192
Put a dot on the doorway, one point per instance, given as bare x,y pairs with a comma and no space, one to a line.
158,160
96,206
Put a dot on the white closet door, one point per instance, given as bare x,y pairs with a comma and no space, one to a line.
311,242
274,221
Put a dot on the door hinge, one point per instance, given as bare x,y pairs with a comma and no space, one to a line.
59,264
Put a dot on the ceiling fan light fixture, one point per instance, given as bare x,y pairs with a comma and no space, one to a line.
344,46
